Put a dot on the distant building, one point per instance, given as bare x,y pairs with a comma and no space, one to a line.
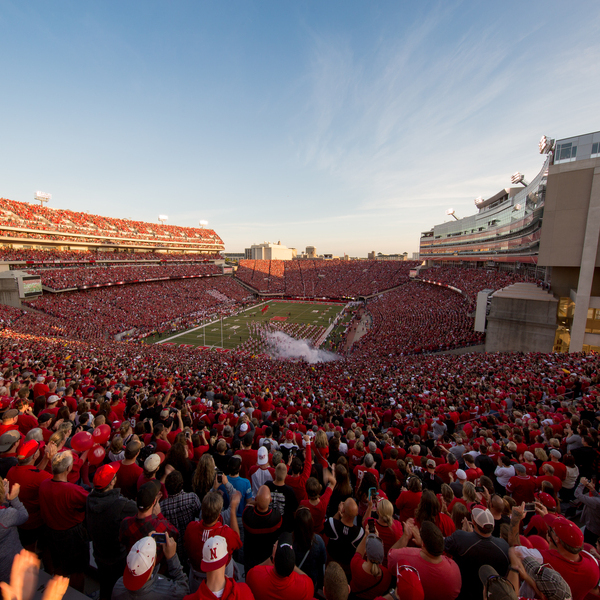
371,255
311,252
270,251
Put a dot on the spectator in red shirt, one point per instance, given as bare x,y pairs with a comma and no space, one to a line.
29,477
522,486
278,578
317,503
409,500
63,511
130,472
198,532
215,557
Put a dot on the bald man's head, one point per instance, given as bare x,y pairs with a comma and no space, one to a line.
263,498
350,510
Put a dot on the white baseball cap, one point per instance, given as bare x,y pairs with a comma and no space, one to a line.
140,563
263,456
214,554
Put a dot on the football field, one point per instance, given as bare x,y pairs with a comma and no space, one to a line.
244,331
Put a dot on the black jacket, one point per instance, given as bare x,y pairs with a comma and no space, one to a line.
104,512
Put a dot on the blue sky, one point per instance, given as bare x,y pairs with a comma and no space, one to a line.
349,126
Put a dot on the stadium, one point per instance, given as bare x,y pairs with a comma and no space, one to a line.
135,344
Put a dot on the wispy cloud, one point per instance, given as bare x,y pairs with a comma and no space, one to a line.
436,115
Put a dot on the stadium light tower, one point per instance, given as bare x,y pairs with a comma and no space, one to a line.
42,197
519,178
203,223
451,213
162,219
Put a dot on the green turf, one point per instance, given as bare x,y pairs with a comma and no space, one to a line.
236,329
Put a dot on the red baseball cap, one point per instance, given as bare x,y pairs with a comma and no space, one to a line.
546,499
567,532
27,449
408,583
105,474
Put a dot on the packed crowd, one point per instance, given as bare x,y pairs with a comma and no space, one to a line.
202,475
323,278
417,317
83,256
83,276
143,309
472,281
34,216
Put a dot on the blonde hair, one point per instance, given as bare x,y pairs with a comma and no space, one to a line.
468,492
321,439
385,510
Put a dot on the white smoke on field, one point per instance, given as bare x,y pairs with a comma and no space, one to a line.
282,346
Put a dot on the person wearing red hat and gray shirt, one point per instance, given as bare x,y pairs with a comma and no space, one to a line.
278,577
472,549
30,477
62,507
105,510
141,579
215,557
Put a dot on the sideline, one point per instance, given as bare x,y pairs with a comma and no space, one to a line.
174,337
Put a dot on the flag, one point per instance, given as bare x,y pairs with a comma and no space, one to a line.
264,308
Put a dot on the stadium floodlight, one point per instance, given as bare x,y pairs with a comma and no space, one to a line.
42,197
519,178
450,212
479,201
203,223
162,219
546,145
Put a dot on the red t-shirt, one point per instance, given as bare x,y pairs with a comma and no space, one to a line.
249,458
26,423
581,576
522,489
441,581
407,503
444,471
127,479
318,511
233,590
389,536
361,580
62,504
30,479
267,585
